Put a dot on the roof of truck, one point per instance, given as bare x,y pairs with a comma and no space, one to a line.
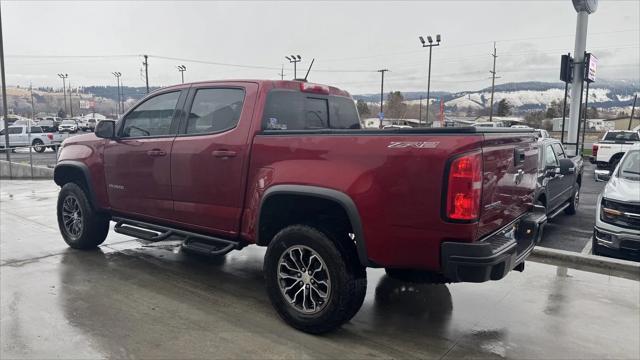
280,84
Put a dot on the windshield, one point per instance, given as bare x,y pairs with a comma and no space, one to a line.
68,122
630,166
621,136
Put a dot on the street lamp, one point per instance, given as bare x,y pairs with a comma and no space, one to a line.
294,59
182,69
429,43
117,75
64,91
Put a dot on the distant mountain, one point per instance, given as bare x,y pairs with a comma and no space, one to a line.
531,95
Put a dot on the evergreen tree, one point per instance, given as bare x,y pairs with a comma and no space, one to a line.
363,108
504,108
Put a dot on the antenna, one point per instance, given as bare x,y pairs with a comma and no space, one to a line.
308,70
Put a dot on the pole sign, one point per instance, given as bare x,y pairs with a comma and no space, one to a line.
591,65
381,116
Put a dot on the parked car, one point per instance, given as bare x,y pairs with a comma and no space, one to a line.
21,136
607,153
325,197
617,228
91,124
48,125
542,134
25,122
489,124
68,125
559,179
520,127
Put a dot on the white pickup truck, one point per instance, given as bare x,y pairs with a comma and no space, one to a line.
22,136
608,152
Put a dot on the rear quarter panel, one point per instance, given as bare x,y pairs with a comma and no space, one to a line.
397,190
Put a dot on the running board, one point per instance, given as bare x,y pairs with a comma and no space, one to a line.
561,208
203,244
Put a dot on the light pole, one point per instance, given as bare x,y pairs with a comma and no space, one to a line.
584,8
295,59
182,69
64,91
430,45
117,75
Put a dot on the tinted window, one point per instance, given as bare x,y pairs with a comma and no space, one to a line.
550,157
343,113
36,130
151,118
292,110
13,130
559,151
621,136
316,113
215,110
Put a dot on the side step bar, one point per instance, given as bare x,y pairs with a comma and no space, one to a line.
203,244
558,211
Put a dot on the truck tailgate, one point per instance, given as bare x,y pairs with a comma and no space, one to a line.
510,165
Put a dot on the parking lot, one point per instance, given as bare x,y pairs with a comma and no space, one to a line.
138,300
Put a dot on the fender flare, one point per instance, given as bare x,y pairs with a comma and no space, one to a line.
339,197
76,165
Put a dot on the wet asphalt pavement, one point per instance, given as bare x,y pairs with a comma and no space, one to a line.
135,300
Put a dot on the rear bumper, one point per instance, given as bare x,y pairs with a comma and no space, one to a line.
496,255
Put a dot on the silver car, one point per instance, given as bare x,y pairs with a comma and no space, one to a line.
617,229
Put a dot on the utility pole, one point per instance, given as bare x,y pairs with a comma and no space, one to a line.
430,45
70,100
420,112
33,108
282,73
381,114
182,69
633,110
64,91
295,59
493,80
4,100
146,71
117,75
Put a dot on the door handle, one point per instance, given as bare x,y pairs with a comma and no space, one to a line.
156,152
224,154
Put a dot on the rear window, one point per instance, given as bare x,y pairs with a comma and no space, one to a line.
292,110
621,136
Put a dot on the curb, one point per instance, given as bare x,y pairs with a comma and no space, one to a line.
593,263
23,171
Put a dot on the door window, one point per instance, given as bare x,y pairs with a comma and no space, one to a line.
215,110
36,130
550,157
557,148
151,118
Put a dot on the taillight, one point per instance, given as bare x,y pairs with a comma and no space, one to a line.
50,136
314,88
594,150
464,187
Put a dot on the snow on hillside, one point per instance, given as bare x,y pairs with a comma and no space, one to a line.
523,97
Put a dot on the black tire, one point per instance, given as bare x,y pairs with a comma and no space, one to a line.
573,202
595,248
92,228
38,146
346,277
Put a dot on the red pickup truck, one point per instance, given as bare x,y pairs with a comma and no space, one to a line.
286,165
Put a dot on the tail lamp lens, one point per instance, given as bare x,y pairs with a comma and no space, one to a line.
594,150
50,136
465,187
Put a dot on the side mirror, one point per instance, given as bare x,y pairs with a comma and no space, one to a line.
567,167
550,171
603,175
106,129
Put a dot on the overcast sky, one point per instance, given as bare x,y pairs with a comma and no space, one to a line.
349,40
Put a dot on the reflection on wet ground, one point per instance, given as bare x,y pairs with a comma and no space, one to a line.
134,299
